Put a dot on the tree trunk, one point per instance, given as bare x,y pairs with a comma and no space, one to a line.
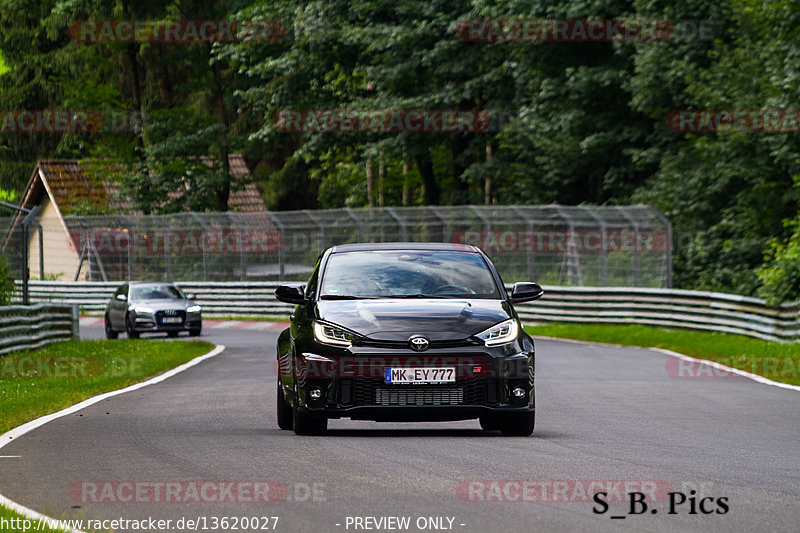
131,51
487,184
370,198
461,193
381,172
406,187
223,191
425,166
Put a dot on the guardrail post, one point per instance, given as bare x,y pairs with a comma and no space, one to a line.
76,321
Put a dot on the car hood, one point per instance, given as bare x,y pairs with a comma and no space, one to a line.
161,305
398,319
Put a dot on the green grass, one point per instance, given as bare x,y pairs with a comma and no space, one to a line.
3,67
773,360
35,383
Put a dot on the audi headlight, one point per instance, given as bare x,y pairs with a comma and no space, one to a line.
333,335
143,310
501,333
193,309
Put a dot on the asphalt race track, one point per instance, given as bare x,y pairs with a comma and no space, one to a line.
605,414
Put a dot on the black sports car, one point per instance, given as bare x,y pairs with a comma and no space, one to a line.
406,332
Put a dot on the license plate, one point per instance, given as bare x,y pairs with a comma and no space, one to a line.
171,320
419,375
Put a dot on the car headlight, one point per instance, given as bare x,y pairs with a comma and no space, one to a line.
193,309
333,335
143,310
501,333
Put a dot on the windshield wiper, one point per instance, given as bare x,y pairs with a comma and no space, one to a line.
345,297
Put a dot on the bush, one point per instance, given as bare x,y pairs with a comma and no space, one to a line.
6,282
780,273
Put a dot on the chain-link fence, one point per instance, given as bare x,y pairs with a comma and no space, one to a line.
556,245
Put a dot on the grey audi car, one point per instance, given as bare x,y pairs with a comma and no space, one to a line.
140,307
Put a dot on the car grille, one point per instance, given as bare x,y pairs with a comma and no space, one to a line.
170,313
468,391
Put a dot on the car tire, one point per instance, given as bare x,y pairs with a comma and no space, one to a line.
110,333
132,333
172,334
194,332
308,424
285,413
518,424
489,423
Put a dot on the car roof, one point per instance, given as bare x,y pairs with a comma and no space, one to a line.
141,283
432,246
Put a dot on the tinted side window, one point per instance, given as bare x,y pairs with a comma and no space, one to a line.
311,287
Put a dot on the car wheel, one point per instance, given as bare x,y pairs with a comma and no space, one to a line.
110,333
518,424
308,424
172,334
285,414
489,423
132,333
194,332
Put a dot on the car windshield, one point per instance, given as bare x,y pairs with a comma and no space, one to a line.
407,274
157,292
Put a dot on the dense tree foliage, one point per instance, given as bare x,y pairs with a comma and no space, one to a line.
572,122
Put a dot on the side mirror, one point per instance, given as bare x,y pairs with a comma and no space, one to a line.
291,294
526,292
122,298
191,297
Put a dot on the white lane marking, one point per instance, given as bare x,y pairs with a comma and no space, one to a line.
9,456
718,366
17,432
725,368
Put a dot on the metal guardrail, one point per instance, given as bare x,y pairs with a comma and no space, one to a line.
708,311
25,327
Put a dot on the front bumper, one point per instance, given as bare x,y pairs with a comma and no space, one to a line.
349,386
147,322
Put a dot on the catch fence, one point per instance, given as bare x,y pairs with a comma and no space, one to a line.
555,245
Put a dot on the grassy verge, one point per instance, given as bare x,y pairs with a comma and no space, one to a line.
38,382
773,360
